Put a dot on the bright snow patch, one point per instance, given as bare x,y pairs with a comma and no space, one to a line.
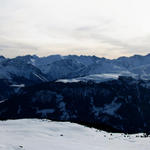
95,77
98,78
47,135
17,85
68,80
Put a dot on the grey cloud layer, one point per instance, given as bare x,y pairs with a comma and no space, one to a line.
99,27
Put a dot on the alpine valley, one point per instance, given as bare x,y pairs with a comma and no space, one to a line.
113,95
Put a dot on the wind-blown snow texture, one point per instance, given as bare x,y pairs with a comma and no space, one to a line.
48,135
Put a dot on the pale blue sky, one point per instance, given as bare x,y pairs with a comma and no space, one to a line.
106,28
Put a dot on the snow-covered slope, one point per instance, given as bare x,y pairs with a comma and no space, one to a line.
63,69
71,66
56,67
2,58
133,61
97,78
43,63
48,135
20,67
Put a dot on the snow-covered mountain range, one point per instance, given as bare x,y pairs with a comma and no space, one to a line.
55,67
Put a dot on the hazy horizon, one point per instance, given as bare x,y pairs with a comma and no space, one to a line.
76,55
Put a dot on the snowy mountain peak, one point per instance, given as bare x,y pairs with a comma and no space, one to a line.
56,67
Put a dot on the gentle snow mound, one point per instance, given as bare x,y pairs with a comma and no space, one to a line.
36,134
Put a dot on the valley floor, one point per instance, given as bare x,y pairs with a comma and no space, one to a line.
33,134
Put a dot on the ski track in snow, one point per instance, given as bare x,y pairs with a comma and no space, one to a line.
41,78
33,134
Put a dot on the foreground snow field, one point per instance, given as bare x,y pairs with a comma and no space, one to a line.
33,134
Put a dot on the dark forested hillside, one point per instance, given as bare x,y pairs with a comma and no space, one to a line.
118,105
